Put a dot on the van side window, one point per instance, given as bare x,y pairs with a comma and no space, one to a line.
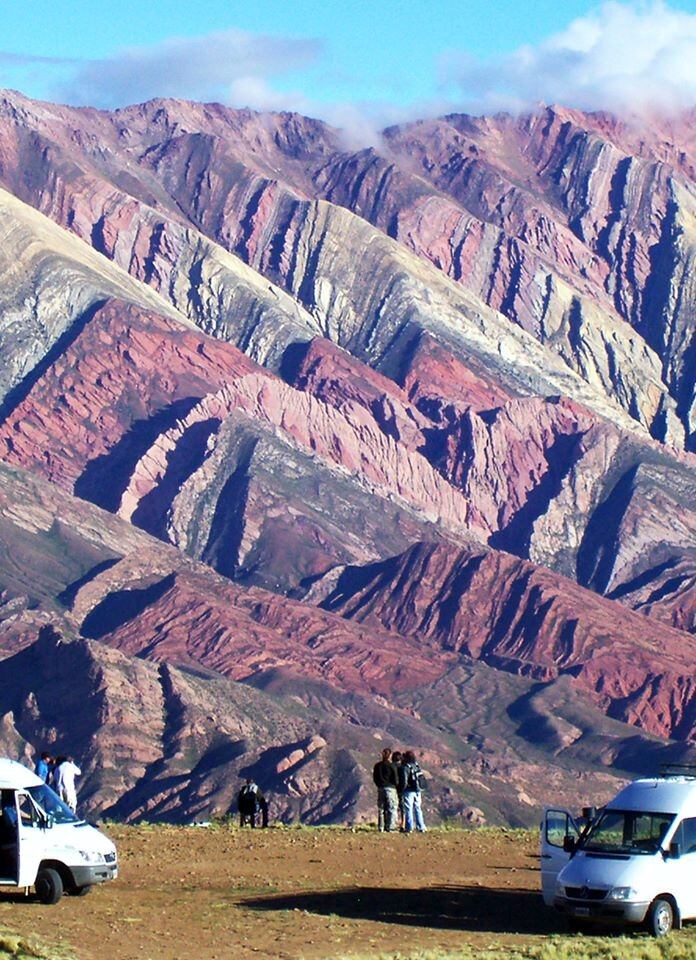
27,811
686,835
558,825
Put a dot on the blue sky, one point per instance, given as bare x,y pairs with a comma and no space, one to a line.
384,58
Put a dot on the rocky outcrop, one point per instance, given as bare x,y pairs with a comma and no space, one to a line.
147,598
203,448
52,284
597,199
544,479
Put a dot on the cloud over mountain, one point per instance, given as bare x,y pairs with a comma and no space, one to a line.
627,57
621,56
200,68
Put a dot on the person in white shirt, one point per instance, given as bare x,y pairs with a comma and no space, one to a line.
64,775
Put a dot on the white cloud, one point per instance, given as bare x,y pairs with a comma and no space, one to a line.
195,68
621,56
360,123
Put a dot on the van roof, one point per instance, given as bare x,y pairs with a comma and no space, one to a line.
675,795
14,776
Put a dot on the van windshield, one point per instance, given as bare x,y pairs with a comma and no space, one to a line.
628,831
51,804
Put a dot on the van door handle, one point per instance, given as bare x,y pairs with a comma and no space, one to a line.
546,856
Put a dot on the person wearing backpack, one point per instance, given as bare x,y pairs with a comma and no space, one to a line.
248,803
412,785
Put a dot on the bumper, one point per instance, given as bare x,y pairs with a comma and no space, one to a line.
87,876
608,910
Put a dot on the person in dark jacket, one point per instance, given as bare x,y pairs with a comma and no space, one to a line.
386,779
410,774
263,807
397,758
248,803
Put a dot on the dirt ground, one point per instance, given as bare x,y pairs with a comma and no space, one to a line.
203,893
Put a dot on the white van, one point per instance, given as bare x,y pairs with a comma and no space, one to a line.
43,844
635,862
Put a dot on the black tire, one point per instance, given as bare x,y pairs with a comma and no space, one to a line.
660,919
81,891
49,885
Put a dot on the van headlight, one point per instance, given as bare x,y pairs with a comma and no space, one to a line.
90,857
560,889
622,893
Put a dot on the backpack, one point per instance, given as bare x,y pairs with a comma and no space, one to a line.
415,779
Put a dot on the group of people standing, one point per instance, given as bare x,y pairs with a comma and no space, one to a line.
400,783
59,773
251,804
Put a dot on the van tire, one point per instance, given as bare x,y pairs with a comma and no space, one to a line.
660,919
48,885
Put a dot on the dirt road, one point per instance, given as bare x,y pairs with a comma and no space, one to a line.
205,893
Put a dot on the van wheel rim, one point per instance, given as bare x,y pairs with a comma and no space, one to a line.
663,919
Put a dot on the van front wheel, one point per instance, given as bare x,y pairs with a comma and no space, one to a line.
660,917
49,885
82,891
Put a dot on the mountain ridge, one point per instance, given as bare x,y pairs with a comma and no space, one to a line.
373,429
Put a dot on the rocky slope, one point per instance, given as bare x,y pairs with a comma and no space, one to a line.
529,473
524,619
142,179
438,392
170,738
196,444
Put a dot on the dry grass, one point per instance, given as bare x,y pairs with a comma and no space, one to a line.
14,947
678,946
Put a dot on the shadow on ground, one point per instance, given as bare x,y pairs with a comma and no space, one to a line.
441,907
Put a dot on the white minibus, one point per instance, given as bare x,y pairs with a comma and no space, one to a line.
43,844
634,862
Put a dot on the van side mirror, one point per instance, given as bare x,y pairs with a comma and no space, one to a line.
569,843
47,821
675,850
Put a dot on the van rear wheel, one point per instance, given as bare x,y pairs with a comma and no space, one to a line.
49,885
660,917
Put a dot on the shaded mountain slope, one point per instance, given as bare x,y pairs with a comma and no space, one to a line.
320,693
527,620
146,599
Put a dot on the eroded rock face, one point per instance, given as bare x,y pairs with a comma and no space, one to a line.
580,200
527,620
579,231
544,478
402,382
169,739
195,443
200,446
